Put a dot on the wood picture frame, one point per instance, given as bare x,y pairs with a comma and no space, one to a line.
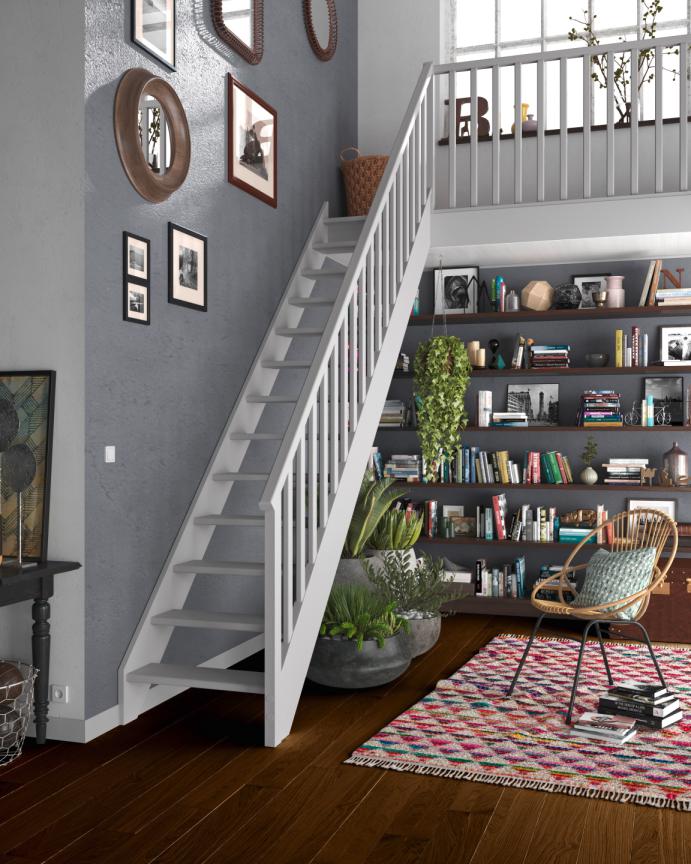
253,53
323,53
187,268
146,18
250,167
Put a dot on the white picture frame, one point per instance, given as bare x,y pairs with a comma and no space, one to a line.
456,290
587,285
675,345
667,505
153,28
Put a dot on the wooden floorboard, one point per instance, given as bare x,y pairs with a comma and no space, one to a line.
190,783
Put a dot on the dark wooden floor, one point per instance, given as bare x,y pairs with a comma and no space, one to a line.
189,782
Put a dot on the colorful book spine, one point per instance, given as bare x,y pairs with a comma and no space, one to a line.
619,348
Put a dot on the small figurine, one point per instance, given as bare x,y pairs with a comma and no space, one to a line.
496,361
649,475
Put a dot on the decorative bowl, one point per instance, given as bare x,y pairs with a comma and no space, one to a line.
597,359
600,298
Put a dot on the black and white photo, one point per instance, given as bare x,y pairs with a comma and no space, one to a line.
187,279
456,290
135,257
136,302
153,28
675,345
587,285
539,401
668,399
252,154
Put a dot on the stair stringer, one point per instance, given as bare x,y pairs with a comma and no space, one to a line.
149,642
283,685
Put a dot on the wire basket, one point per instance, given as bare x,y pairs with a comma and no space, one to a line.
16,700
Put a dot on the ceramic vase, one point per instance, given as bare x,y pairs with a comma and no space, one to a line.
616,296
589,476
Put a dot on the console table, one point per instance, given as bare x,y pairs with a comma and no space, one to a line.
35,582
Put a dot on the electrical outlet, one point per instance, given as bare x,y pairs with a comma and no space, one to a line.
60,693
109,453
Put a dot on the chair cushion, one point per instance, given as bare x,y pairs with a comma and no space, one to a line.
613,576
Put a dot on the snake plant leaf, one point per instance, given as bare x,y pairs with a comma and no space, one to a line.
374,500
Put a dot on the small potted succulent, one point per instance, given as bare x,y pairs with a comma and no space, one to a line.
362,642
397,530
417,592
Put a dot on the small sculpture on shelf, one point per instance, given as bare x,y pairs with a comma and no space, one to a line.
537,296
583,518
649,475
496,360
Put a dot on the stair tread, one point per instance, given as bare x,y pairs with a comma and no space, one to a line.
335,246
329,272
209,620
218,519
255,436
268,400
311,301
286,364
340,220
299,331
199,676
233,476
221,567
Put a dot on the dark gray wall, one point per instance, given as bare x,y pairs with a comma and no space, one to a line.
162,393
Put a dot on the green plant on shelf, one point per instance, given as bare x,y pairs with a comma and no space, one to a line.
589,451
355,612
398,529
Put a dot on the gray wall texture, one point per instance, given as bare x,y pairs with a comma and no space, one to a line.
162,393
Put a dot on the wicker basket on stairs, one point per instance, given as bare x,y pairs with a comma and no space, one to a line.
361,176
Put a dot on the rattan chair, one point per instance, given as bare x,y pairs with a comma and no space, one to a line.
634,529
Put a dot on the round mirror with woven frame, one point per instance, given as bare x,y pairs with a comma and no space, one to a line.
241,26
321,23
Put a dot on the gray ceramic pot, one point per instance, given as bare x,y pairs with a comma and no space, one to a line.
338,663
350,571
424,634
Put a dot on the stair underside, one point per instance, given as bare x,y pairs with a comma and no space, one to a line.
204,620
235,680
220,568
231,521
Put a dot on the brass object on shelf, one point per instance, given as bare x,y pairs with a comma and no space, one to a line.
586,518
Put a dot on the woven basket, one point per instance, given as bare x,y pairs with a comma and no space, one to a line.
361,176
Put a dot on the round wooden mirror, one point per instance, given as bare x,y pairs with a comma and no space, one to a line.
322,27
152,135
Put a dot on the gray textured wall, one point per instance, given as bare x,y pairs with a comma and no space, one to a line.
42,318
162,393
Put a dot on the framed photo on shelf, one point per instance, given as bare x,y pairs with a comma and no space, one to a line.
587,285
186,268
252,143
539,401
456,290
667,505
668,398
136,302
135,256
153,28
675,345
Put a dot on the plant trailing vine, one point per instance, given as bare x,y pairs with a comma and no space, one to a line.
442,373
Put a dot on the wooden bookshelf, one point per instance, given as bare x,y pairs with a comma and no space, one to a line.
657,371
553,429
684,542
554,315
552,487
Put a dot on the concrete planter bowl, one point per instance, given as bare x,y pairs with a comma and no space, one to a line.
424,634
336,662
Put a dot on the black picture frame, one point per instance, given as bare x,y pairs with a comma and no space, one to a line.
180,294
136,25
22,389
126,273
130,281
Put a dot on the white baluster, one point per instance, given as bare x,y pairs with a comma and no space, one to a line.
371,304
683,117
378,304
343,390
324,450
300,527
473,137
496,138
333,419
610,123
563,131
287,567
517,138
541,130
659,143
634,120
453,131
363,302
386,262
587,120
312,485
354,362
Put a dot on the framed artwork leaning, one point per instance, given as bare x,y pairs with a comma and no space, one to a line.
187,280
456,290
252,143
153,28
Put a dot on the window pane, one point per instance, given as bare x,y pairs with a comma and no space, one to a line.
614,16
672,10
519,20
475,23
557,12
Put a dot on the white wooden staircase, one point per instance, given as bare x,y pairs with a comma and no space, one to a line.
294,451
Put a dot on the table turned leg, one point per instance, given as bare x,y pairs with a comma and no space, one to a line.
40,644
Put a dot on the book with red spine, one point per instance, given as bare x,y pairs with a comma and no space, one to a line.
560,463
499,508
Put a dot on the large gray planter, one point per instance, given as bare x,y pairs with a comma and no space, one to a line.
350,571
424,634
338,663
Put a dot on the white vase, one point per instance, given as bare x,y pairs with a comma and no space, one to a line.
589,476
616,296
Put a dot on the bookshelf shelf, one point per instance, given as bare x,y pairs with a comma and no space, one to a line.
553,429
572,370
553,487
684,542
555,315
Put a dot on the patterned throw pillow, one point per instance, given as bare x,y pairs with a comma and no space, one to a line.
612,576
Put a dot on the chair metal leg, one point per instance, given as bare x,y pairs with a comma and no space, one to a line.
525,654
578,671
604,653
652,652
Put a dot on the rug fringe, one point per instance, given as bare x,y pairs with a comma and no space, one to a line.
520,783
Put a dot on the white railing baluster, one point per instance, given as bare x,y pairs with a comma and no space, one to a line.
517,137
343,367
324,449
610,123
300,526
313,485
683,117
496,139
541,130
288,558
386,265
563,132
453,131
378,293
473,138
353,362
362,335
431,97
587,121
424,153
659,143
371,313
393,245
400,231
406,204
333,420
634,121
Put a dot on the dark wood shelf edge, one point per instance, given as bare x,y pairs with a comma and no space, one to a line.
554,315
684,542
555,429
553,487
473,605
571,370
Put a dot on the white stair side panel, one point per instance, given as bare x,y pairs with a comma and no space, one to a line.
197,676
148,643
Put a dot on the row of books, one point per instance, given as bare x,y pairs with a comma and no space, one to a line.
402,466
624,471
549,356
403,362
507,580
601,409
509,418
630,351
394,414
474,465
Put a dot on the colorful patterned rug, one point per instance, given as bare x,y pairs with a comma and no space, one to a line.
467,728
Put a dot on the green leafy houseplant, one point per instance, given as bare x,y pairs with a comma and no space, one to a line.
374,499
412,590
442,372
355,612
589,451
397,529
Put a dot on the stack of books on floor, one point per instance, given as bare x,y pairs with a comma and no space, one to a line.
509,418
403,467
403,363
549,356
651,706
624,471
613,731
601,409
393,415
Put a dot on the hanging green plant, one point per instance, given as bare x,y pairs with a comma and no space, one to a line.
442,373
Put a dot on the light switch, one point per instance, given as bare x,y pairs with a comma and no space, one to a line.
109,453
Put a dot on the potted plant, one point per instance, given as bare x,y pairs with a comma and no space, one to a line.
374,500
417,593
589,475
362,641
442,372
397,530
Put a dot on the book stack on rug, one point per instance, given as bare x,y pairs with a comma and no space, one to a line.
652,706
613,731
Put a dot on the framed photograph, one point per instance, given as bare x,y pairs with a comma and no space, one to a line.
668,397
464,526
252,143
186,268
136,302
675,345
153,28
448,511
587,285
26,443
539,401
456,290
135,257
667,505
